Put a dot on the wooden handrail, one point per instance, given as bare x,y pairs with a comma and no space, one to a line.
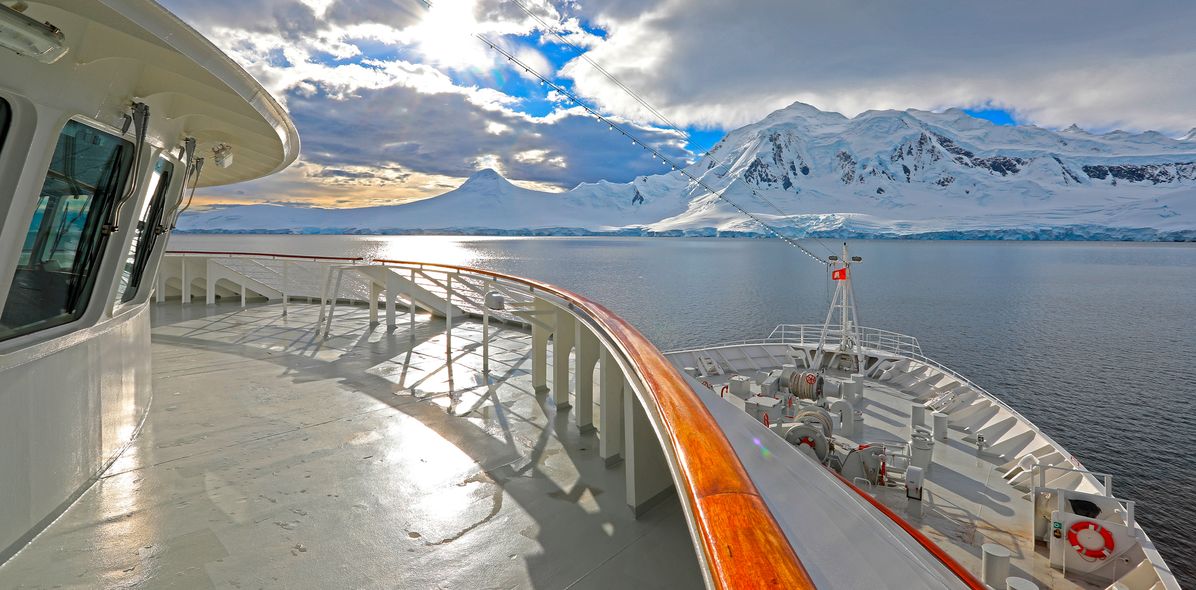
742,542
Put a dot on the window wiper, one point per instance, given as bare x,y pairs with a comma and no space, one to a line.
139,119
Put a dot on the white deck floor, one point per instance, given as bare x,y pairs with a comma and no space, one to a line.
273,459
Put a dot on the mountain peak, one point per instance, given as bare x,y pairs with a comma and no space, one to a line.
487,178
1073,128
485,174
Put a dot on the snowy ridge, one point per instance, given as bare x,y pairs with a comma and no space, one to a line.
814,173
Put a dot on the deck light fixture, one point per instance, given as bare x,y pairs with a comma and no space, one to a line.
223,155
25,36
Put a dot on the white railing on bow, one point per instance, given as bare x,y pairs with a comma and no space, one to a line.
871,338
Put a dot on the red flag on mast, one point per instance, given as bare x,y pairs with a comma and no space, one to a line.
839,274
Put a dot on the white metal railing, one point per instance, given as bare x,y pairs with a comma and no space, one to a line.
871,338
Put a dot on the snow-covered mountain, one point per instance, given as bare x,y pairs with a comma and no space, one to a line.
881,173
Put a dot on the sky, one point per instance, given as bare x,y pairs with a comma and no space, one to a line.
398,100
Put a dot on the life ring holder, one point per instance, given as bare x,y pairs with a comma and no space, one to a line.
1073,537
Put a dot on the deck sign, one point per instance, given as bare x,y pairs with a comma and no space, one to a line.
839,274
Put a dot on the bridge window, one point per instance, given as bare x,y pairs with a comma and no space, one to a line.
146,231
58,262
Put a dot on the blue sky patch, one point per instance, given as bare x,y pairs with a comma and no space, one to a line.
997,116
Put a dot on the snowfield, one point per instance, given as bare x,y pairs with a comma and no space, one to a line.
885,174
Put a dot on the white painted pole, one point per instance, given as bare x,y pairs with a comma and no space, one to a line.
448,317
391,288
324,292
340,274
486,333
411,303
285,287
375,291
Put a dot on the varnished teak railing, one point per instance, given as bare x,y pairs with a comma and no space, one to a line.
742,544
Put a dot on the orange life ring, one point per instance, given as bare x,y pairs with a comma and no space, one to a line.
811,379
1073,537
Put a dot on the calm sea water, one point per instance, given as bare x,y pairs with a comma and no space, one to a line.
1094,342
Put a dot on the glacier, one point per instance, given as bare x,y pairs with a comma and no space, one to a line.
881,174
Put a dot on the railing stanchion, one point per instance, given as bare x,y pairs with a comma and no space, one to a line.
336,291
391,286
448,318
562,343
610,400
285,287
586,358
324,292
486,336
185,296
411,304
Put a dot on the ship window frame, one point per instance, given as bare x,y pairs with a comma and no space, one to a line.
5,121
145,237
42,280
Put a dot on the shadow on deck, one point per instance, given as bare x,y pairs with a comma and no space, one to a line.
274,458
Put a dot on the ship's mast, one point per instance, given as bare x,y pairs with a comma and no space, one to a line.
841,331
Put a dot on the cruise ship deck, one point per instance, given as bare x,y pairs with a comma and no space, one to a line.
273,457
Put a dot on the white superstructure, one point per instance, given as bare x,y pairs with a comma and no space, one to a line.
106,109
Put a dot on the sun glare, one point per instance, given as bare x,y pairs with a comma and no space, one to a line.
446,35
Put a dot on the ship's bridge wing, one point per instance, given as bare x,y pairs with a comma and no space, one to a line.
120,51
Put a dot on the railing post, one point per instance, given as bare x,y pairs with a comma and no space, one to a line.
185,294
210,284
540,345
375,291
448,317
411,304
160,293
285,288
645,467
610,401
392,282
336,290
586,357
324,292
562,343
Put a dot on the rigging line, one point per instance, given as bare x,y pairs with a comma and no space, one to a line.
583,55
655,153
643,102
760,142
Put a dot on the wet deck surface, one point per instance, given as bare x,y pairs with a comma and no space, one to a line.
271,458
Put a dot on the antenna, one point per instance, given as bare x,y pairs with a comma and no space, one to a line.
841,331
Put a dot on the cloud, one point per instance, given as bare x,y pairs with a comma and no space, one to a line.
449,133
395,101
1101,63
